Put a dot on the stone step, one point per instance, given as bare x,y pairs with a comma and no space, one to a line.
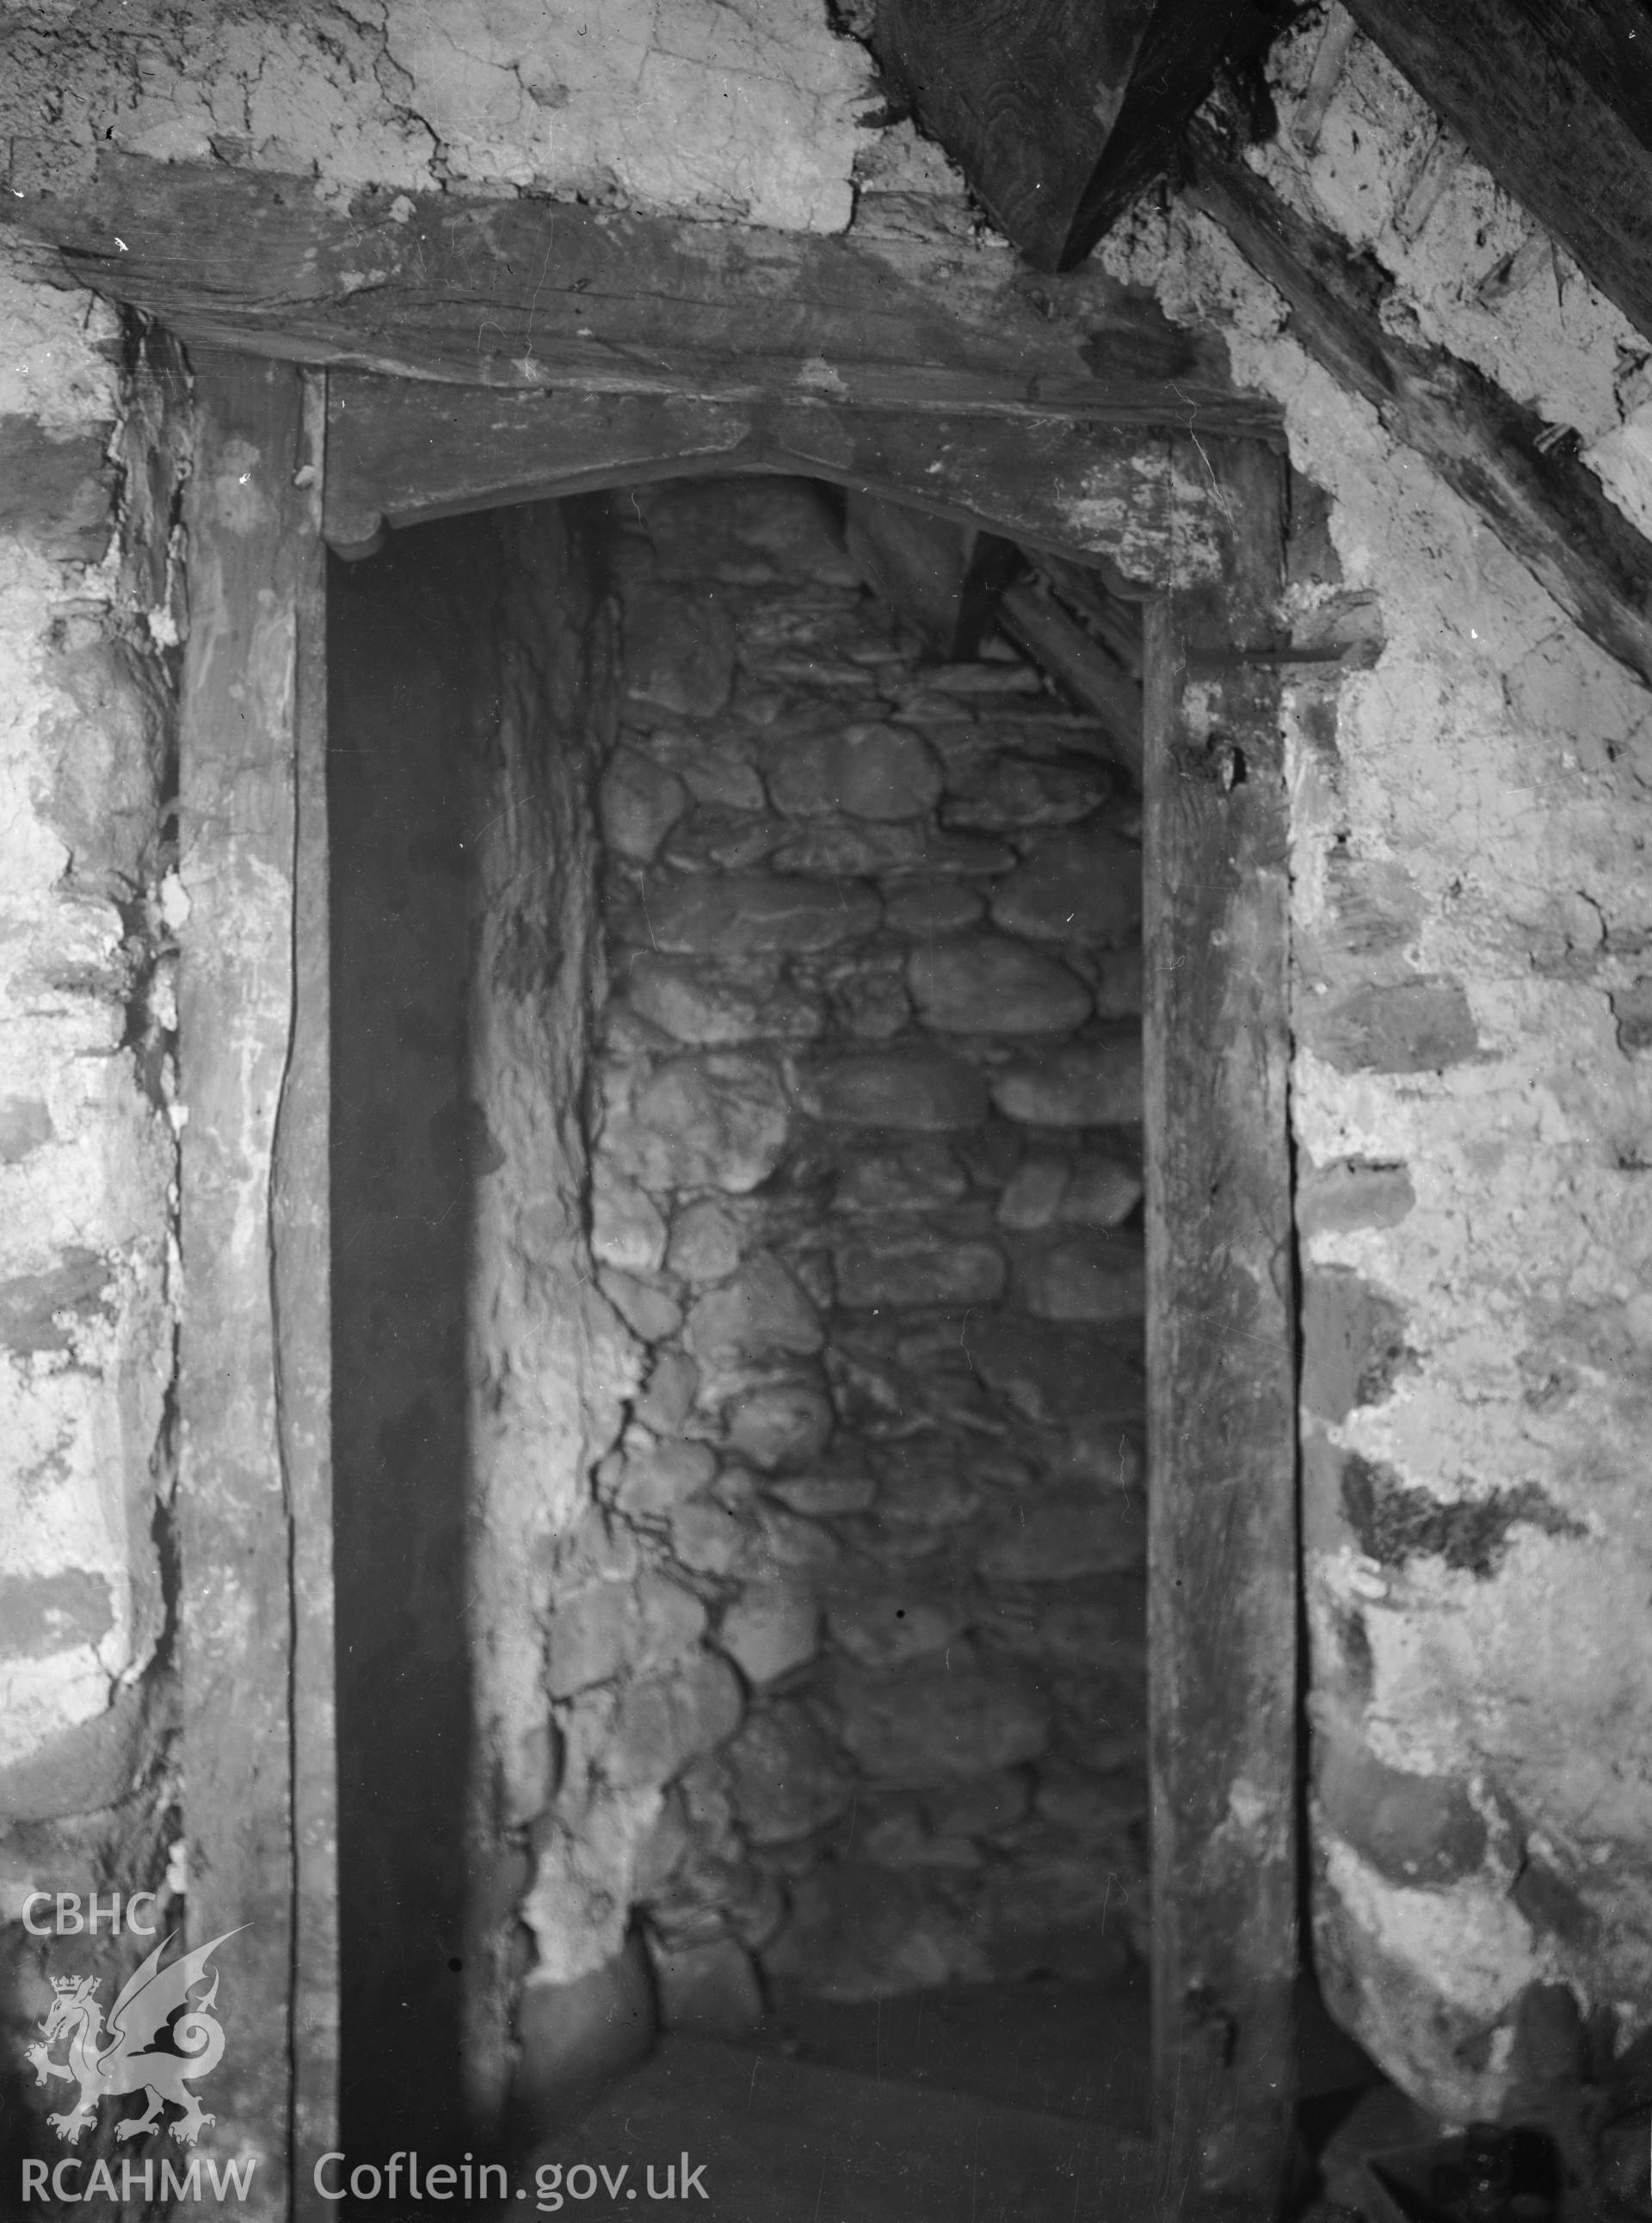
789,2141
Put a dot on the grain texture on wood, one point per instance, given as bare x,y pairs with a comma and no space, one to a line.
1222,1518
254,548
301,1267
1540,501
1556,98
401,450
1023,94
1059,111
527,295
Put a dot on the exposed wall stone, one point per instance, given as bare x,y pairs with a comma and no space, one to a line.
801,1176
1469,823
94,451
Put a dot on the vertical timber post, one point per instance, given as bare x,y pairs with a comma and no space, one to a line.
302,1257
253,1509
1221,1368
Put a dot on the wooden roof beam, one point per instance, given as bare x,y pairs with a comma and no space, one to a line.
1060,111
1544,505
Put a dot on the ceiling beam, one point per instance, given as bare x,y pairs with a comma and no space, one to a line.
1554,96
536,295
1060,111
1544,505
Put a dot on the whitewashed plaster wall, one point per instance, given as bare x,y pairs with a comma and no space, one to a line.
1472,1098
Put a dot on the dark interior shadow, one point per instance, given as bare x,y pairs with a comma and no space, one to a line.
405,671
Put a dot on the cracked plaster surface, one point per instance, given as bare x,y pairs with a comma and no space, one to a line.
1477,275
736,109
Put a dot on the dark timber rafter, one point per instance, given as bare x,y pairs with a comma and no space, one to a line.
1060,111
1544,505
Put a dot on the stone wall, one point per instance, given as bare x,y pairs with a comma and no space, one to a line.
866,1635
93,447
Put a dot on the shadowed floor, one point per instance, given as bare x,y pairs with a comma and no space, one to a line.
973,2104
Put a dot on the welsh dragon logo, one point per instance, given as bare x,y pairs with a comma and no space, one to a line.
126,2059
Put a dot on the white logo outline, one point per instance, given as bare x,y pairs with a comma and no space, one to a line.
131,2062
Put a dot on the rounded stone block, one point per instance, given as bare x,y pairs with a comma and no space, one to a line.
785,1779
920,1173
710,1009
1089,1084
705,1243
771,1628
1004,793
914,1266
870,771
781,1425
92,1764
988,983
720,1121
938,1719
849,848
679,649
1033,1193
919,1087
884,1627
627,1229
651,1479
761,1315
665,1720
1078,886
715,838
1102,1193
640,803
825,1495
734,914
648,1310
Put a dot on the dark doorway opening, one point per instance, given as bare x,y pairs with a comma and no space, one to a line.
842,1638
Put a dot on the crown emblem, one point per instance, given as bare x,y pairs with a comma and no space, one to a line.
64,1985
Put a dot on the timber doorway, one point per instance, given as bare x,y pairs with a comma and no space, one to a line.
1193,543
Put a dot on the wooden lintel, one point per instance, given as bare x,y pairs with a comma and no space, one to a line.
1221,1375
401,450
1556,98
1544,505
533,295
